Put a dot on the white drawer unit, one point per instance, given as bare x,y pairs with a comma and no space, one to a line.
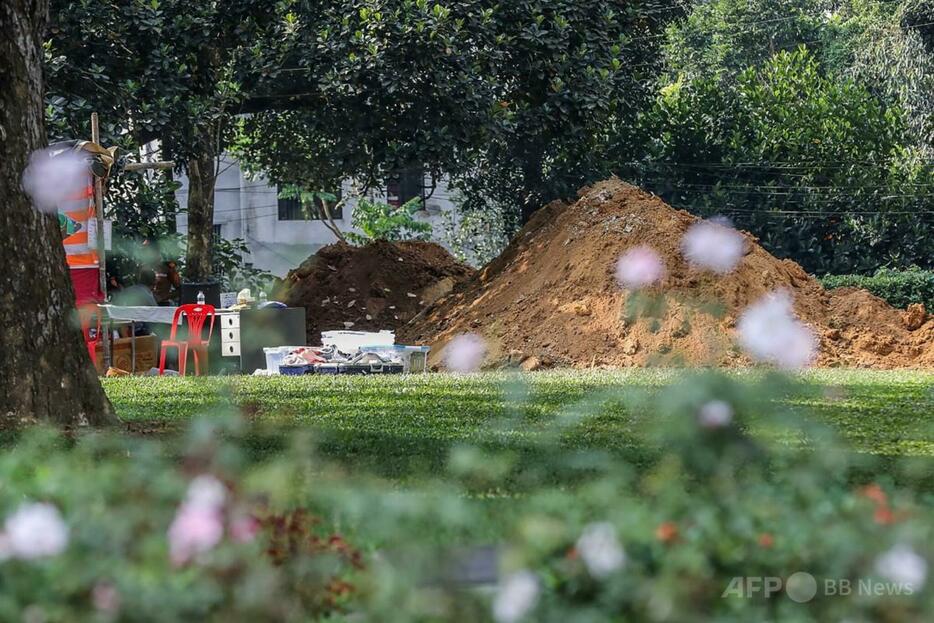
230,321
230,334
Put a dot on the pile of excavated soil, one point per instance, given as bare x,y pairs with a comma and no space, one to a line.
552,298
382,285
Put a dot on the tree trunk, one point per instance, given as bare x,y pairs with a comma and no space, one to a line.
329,219
170,214
45,370
531,182
201,176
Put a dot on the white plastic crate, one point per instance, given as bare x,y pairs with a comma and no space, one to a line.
351,341
275,355
414,358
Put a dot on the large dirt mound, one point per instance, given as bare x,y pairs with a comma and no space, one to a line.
382,285
552,297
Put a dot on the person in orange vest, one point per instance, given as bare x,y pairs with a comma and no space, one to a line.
168,284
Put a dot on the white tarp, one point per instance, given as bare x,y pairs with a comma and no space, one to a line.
141,313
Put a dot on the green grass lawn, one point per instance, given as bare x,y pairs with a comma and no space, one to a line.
403,426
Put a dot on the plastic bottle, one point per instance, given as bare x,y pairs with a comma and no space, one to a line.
262,297
200,297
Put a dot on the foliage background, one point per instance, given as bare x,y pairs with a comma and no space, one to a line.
807,122
899,288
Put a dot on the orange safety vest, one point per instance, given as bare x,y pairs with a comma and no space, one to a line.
78,222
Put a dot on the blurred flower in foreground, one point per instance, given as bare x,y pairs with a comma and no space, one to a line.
517,595
766,540
198,525
639,267
465,352
904,566
35,530
715,414
206,490
600,549
106,598
51,179
243,528
769,331
713,245
667,532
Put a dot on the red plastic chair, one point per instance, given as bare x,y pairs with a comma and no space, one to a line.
86,315
195,317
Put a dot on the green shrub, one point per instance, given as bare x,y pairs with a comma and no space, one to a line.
111,528
692,537
382,221
900,288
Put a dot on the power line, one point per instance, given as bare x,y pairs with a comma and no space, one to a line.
807,214
770,164
828,194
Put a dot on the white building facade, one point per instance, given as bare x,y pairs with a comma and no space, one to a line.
280,235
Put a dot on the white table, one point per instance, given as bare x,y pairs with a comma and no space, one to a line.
228,324
140,313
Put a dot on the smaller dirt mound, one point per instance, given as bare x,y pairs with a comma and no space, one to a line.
382,285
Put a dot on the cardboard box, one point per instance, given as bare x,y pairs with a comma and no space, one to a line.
121,354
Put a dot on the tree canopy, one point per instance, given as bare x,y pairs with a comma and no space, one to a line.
170,70
809,125
515,101
825,153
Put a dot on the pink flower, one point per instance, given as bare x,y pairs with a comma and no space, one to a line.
199,523
206,490
713,245
54,178
195,530
243,528
465,352
35,530
769,331
600,549
639,267
516,597
903,566
715,414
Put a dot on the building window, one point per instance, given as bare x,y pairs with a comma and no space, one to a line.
406,185
293,210
217,231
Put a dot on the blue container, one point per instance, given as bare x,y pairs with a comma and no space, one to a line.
293,370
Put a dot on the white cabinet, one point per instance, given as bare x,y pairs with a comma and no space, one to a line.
230,334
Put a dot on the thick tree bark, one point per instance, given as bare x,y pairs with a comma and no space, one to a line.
45,370
201,176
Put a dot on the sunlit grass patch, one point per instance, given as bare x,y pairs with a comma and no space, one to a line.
400,425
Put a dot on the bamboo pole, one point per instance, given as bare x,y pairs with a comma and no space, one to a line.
143,166
101,249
